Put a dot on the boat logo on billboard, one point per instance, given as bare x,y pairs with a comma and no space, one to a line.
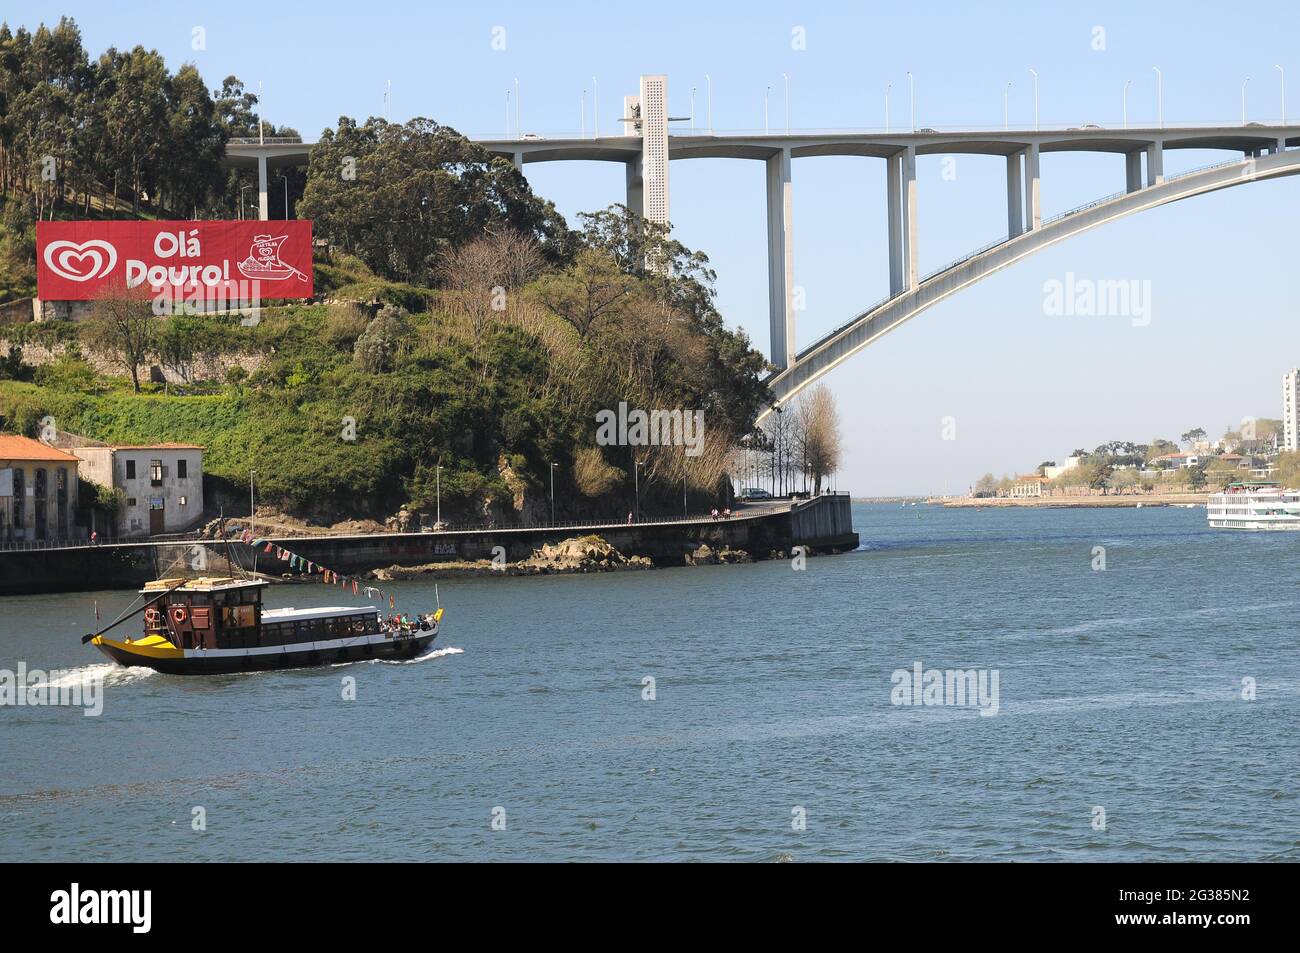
90,259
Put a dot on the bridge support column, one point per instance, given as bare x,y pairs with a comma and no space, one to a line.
1015,201
1281,144
518,159
1033,201
780,258
1133,171
263,211
1155,163
635,186
910,232
894,200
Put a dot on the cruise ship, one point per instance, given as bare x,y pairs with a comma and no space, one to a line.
1254,506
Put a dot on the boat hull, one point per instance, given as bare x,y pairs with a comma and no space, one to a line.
173,661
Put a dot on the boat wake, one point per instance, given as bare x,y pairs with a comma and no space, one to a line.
108,673
427,656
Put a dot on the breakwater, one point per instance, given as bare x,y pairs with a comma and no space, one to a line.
824,524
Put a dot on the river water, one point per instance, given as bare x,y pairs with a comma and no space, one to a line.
1121,730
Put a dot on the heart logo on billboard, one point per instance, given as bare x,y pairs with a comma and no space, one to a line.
89,260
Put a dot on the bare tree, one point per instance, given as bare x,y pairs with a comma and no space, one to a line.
821,435
122,327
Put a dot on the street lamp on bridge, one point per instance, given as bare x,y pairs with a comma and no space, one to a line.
1243,100
1127,84
786,77
1035,73
1006,107
1160,97
1281,76
911,95
888,87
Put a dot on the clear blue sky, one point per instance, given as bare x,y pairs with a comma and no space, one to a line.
1022,386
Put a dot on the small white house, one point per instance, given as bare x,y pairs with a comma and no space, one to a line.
162,484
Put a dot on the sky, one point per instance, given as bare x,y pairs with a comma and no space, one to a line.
988,380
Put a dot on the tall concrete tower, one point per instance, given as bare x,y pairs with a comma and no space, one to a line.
646,117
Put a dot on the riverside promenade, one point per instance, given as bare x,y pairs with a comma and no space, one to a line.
823,523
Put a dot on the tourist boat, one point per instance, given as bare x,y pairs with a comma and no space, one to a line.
1254,506
210,626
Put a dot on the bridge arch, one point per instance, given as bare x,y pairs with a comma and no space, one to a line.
833,349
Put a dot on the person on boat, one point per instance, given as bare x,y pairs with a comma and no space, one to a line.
629,517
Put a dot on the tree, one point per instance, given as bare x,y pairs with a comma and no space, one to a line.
819,421
382,340
1192,436
986,486
123,328
401,197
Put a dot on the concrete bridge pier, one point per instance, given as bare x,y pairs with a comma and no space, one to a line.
1156,163
1015,200
911,243
780,257
635,185
894,201
1033,201
1132,171
263,209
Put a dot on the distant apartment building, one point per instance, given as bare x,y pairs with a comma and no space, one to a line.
1290,380
1052,472
162,484
38,491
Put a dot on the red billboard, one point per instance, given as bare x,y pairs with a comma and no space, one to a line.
77,261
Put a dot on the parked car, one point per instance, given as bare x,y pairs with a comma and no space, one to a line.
753,493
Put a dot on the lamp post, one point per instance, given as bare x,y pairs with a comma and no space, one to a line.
242,190
1160,97
1281,78
636,483
284,177
507,114
692,110
708,80
911,95
888,87
1243,100
1006,107
261,140
438,477
1127,84
786,77
252,505
553,466
766,93
1035,74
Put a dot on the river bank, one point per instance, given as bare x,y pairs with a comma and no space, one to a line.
821,524
1075,502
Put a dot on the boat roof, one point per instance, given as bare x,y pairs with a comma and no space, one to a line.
202,584
322,612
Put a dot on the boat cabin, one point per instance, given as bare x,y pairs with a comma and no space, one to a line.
206,613
219,613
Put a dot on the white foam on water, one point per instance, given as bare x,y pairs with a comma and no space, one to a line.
436,653
109,673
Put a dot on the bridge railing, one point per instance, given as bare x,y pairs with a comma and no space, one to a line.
996,243
267,141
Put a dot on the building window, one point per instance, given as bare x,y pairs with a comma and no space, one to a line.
182,501
155,472
130,501
182,470
130,469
